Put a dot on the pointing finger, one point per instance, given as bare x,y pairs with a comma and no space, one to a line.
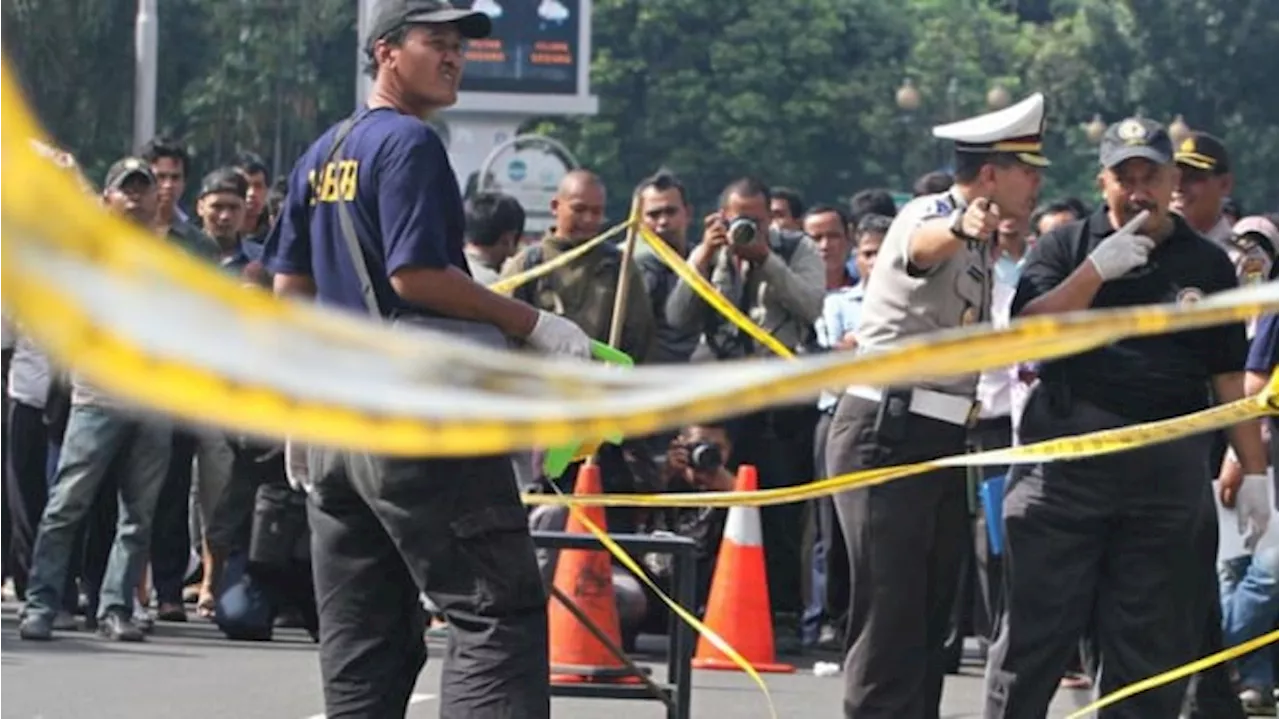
1138,221
994,211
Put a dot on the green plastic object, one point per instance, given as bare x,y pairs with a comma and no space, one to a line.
557,459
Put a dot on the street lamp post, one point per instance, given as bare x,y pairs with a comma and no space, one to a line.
1095,129
146,63
908,97
998,98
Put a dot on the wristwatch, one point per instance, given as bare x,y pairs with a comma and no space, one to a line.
957,226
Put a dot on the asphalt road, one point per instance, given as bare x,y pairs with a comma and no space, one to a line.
189,671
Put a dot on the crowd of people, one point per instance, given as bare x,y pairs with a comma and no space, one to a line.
116,519
123,518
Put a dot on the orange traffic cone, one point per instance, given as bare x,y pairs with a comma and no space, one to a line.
586,577
738,606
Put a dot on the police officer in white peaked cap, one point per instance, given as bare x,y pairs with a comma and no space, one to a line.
905,538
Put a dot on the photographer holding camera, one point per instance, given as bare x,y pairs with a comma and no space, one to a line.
778,279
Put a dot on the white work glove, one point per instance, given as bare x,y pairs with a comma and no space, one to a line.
1123,251
295,466
555,335
1253,508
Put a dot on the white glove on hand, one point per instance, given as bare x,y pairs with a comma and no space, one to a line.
1253,508
555,335
1123,250
295,466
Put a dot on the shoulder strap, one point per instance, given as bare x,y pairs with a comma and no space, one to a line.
532,258
348,226
787,244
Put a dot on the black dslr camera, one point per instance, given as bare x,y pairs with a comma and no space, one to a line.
742,231
705,456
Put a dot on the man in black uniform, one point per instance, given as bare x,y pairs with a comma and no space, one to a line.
1105,544
373,223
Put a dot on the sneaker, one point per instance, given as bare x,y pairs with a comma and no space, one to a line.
118,625
36,627
142,617
829,638
1258,703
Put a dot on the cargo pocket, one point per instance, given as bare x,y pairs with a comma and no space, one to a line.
495,545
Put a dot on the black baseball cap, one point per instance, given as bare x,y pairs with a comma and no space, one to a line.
225,179
391,15
125,169
1202,151
1133,138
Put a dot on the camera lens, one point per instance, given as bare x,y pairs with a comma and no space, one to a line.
705,456
742,231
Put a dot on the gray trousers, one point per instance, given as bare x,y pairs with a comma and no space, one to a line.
904,542
1103,546
384,530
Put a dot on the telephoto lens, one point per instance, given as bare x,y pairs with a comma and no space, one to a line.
705,456
742,231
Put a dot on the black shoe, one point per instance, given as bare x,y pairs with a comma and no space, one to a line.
119,626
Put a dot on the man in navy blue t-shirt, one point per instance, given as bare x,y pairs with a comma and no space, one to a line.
385,529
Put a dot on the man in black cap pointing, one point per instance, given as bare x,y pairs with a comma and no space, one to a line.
1107,545
373,223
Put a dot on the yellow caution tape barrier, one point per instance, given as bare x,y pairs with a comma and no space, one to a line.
149,324
1052,450
710,294
1172,675
508,285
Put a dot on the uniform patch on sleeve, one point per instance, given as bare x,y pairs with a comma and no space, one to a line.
940,207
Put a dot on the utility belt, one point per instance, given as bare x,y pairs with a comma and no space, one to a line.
959,410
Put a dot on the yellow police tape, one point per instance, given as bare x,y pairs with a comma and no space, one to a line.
509,284
710,294
1172,675
147,323
1052,450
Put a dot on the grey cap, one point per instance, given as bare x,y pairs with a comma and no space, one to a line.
1135,137
121,171
391,15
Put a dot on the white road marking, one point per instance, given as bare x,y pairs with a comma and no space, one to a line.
413,699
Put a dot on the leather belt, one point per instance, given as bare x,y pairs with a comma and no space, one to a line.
949,408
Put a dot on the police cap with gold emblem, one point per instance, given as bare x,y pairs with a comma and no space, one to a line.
1015,130
1135,137
1202,151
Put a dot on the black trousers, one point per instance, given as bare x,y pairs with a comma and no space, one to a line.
384,529
779,443
1106,543
171,528
904,541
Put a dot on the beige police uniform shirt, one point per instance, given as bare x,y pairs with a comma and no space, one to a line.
902,302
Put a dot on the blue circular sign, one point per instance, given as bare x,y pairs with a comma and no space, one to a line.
517,170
